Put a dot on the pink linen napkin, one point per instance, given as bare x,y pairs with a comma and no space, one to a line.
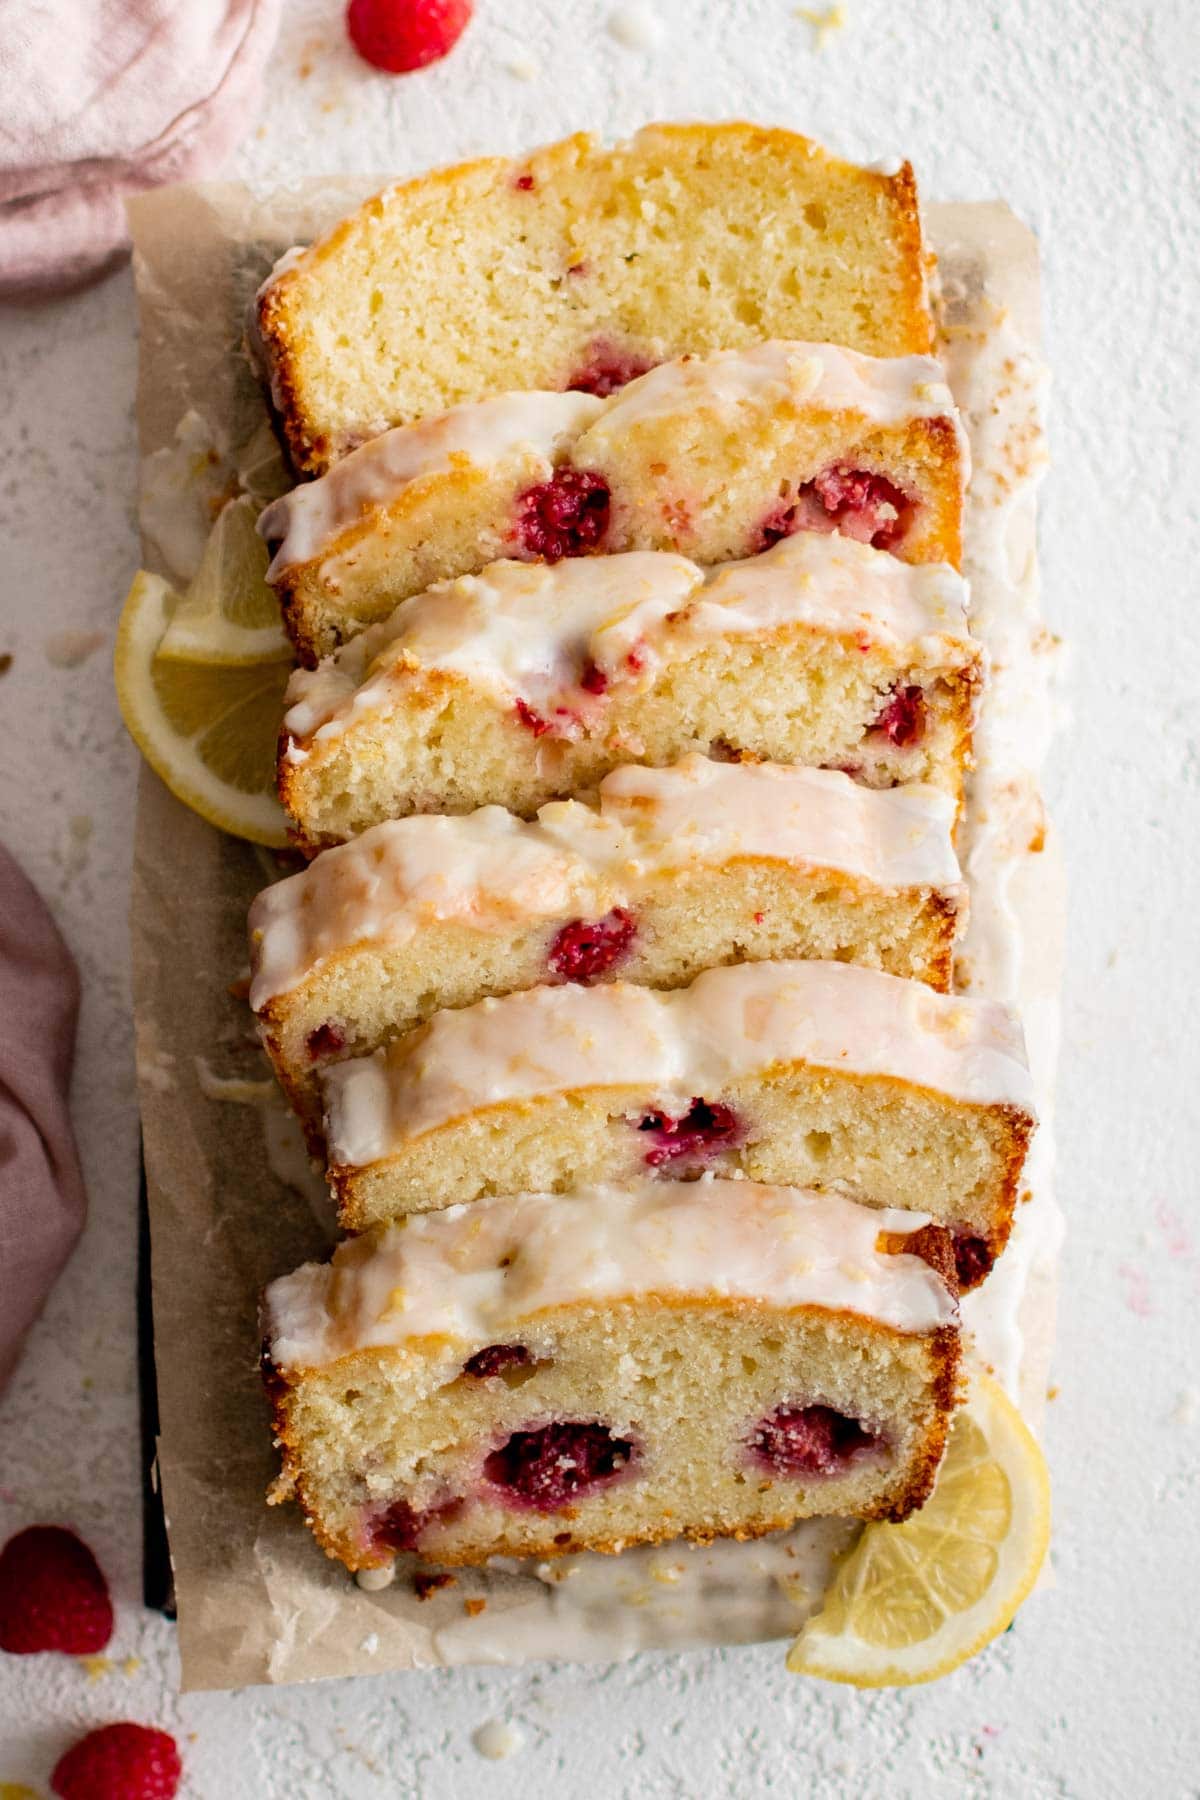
42,1200
102,99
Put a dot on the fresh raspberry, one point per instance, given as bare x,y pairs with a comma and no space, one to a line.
704,1130
119,1762
808,1440
493,1359
565,516
400,35
547,1468
52,1594
902,720
585,949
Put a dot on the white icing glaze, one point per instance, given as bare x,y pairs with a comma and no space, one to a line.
474,1273
821,378
490,870
310,519
1011,947
730,1023
530,629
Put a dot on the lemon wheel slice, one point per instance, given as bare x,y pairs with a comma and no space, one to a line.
208,729
911,1602
228,614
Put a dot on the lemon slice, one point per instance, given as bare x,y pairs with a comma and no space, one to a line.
911,1602
228,615
208,729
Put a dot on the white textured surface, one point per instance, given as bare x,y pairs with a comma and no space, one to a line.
1075,114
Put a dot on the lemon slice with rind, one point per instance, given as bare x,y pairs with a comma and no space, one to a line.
209,730
228,615
911,1602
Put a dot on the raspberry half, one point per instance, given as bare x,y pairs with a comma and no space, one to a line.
860,505
545,1468
809,1440
582,951
607,366
972,1259
494,1359
702,1132
565,516
325,1040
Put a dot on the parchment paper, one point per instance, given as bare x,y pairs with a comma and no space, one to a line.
257,1600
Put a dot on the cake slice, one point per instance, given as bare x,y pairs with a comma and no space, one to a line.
530,682
716,457
579,267
819,1073
546,1373
674,871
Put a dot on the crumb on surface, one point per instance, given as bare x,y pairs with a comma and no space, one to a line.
825,24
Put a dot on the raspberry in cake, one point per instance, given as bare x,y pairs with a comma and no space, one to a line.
700,1359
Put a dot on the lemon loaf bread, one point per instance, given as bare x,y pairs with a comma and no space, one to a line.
716,457
530,682
580,266
674,871
824,1074
545,1373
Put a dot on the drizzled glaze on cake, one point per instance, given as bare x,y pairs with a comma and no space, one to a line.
532,632
472,1274
731,1022
489,869
821,377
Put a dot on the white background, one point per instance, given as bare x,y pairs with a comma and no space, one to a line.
1076,114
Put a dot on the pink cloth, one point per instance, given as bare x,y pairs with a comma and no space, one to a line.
102,98
42,1200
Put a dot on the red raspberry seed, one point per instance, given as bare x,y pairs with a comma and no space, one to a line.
902,720
703,1131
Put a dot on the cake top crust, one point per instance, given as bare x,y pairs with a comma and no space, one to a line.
532,629
473,1274
731,1022
490,870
